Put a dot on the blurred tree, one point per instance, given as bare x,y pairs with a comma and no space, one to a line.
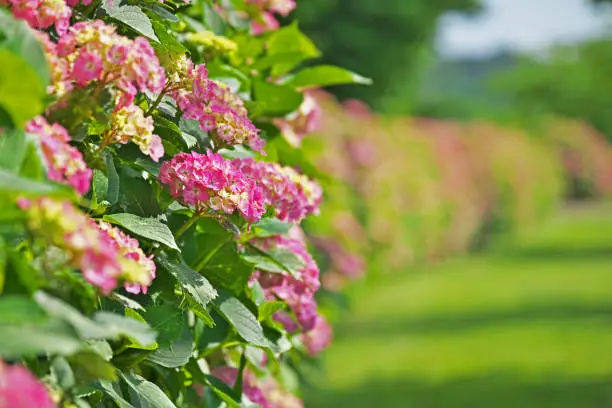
573,81
384,40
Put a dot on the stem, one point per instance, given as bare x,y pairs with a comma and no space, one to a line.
157,101
187,225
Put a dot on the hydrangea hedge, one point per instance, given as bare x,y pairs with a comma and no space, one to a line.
150,249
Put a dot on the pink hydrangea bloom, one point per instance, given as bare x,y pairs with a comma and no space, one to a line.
103,253
307,119
298,292
319,338
208,181
216,107
19,388
129,124
229,375
64,162
130,249
264,11
293,195
92,51
42,14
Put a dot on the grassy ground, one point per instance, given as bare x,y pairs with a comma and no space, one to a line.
526,325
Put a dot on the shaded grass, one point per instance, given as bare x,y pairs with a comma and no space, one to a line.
529,324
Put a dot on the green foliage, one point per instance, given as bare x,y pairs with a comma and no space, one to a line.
383,41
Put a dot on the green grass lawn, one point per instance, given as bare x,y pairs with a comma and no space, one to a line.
528,324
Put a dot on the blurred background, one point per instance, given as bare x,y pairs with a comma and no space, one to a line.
466,237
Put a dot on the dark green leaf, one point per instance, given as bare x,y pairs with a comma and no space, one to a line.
325,75
113,390
61,370
267,227
177,354
167,320
276,260
132,16
195,284
13,184
241,318
146,393
149,228
89,365
112,194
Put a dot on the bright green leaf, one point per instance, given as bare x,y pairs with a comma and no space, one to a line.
149,228
325,75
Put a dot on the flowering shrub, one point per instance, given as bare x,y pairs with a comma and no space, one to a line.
152,195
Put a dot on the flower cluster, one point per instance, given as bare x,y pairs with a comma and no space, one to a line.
102,253
92,51
298,292
229,375
129,248
266,392
266,20
43,14
130,124
212,44
19,388
208,181
64,162
305,120
293,195
216,108
319,338
344,265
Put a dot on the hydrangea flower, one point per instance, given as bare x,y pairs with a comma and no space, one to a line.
216,107
208,181
229,375
307,119
298,292
64,162
266,9
293,195
104,254
19,388
92,51
129,124
319,338
43,14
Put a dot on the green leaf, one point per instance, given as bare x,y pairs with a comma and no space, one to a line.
146,393
13,144
89,365
197,286
13,184
222,265
290,40
276,260
241,318
177,354
132,16
124,326
149,228
20,39
112,193
276,100
27,330
325,75
22,98
268,309
61,370
167,320
104,325
113,390
223,391
267,227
